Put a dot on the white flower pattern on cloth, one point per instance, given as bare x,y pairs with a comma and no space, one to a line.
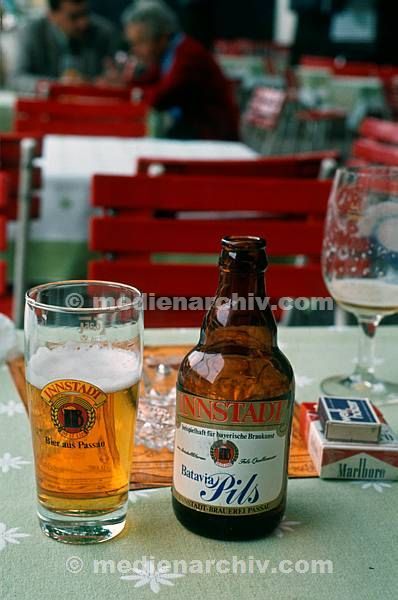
379,486
8,462
11,408
303,380
150,575
135,495
10,536
285,526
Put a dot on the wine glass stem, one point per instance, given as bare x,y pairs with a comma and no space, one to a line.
366,349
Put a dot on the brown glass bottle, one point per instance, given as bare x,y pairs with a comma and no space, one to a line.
235,397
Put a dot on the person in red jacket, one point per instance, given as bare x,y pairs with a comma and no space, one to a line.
187,82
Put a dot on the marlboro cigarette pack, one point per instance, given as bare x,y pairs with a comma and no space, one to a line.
349,460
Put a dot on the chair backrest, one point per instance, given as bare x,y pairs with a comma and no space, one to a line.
265,108
92,93
317,62
81,118
305,165
288,213
10,154
379,129
373,152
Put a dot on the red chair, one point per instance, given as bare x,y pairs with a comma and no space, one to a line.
4,194
378,129
92,93
379,144
10,154
368,152
81,118
356,69
305,165
317,62
17,153
288,213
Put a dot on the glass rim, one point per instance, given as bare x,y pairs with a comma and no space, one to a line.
135,303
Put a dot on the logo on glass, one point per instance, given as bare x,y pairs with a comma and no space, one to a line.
73,406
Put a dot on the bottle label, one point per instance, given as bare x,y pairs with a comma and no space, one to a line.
230,457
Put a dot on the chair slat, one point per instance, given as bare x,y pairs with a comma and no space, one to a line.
81,118
379,129
305,165
192,281
210,193
375,152
129,235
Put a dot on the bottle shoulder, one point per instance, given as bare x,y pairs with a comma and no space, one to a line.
236,372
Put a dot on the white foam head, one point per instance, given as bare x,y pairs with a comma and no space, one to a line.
110,369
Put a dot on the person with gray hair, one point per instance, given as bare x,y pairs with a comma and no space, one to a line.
186,80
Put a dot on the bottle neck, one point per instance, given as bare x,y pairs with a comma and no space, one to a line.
240,306
241,284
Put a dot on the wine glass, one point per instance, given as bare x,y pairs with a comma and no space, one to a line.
360,267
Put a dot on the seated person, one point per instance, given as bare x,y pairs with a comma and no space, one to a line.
187,82
67,44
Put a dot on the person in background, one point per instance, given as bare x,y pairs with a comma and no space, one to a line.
187,82
67,44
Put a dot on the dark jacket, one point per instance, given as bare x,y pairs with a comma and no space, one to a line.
204,98
43,51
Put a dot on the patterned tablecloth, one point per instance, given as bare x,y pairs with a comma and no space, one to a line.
346,529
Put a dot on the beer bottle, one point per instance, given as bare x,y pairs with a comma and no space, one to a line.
235,397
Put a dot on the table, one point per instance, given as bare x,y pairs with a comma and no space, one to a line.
351,524
59,238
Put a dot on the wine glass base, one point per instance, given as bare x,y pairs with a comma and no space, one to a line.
377,391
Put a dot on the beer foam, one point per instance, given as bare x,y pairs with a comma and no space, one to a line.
110,369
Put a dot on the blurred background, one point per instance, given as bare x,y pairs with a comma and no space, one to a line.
285,89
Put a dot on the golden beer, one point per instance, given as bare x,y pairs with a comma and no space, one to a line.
82,427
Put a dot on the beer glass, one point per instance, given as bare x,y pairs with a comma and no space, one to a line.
83,356
360,268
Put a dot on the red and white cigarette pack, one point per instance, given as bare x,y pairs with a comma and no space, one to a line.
349,460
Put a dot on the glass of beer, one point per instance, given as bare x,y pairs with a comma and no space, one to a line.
83,353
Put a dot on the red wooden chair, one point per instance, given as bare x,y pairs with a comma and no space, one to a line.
81,118
317,62
368,152
10,155
78,93
289,214
378,144
379,129
17,155
305,165
5,302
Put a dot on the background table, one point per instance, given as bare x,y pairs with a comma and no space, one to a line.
352,524
58,248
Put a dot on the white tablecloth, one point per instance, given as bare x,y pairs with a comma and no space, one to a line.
69,162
